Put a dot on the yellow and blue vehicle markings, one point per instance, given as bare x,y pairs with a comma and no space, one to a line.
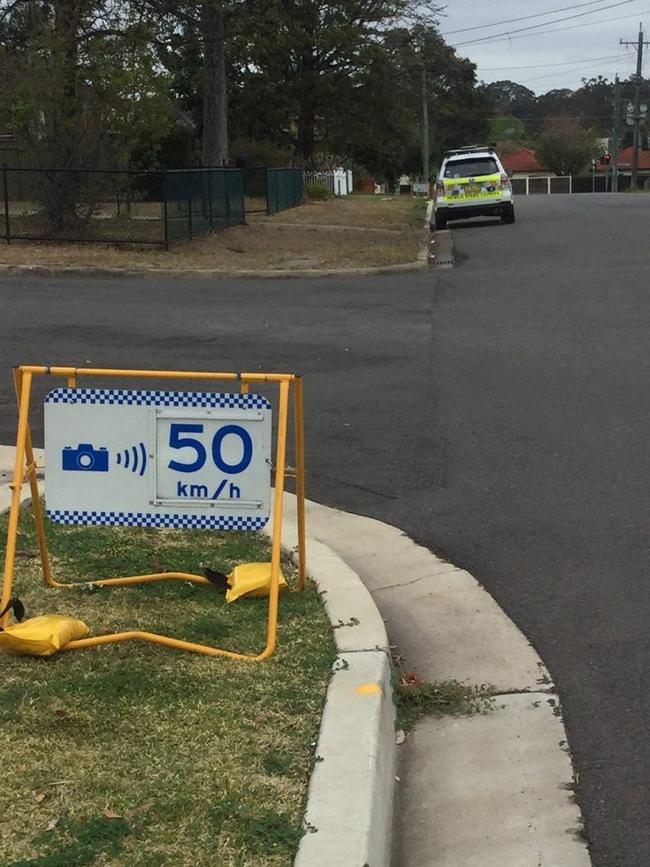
471,189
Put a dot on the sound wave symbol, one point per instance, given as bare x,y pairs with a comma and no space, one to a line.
133,458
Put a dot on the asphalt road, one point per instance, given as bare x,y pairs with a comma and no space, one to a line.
498,412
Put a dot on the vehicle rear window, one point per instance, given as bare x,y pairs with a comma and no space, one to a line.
471,168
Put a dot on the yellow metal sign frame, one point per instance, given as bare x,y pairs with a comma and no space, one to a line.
25,469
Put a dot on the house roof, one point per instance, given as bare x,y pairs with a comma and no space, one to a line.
522,160
625,159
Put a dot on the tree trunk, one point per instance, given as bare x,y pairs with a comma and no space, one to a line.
306,131
60,190
307,105
214,150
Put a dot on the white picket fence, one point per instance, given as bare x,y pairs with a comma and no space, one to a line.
338,182
532,185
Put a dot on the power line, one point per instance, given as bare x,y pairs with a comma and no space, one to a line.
507,38
557,74
524,18
545,23
546,65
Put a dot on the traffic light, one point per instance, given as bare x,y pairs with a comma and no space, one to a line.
608,159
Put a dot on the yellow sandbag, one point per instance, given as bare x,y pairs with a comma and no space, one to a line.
42,636
251,579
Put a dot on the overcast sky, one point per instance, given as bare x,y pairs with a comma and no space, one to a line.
558,54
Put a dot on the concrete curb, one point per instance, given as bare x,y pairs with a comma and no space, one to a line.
356,752
425,254
193,273
349,808
7,454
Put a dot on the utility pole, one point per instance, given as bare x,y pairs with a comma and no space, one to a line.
636,117
616,133
425,127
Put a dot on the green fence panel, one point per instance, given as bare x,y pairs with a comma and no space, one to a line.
284,189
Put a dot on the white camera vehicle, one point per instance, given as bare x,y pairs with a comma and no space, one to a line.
472,183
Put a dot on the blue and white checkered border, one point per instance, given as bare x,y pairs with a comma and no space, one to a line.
172,522
128,397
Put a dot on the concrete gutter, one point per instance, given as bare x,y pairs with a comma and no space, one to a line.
489,790
348,820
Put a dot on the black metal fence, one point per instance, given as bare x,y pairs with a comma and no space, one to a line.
132,207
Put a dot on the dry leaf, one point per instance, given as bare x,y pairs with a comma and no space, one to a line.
410,678
39,796
111,815
61,713
143,808
52,825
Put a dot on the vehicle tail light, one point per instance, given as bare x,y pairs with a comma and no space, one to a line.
440,188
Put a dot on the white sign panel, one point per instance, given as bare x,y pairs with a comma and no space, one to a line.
157,458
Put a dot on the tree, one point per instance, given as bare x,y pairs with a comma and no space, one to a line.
506,127
565,146
380,126
314,52
193,39
510,97
214,145
549,106
81,88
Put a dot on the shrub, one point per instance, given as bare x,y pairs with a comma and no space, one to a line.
316,190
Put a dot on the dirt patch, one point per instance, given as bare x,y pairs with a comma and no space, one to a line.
311,237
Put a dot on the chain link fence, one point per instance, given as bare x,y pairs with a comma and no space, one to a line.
284,189
118,206
269,190
138,207
197,201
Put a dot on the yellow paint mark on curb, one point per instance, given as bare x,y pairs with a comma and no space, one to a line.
370,689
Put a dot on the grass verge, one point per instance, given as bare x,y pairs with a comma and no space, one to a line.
131,754
316,235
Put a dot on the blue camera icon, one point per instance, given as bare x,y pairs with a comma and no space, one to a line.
85,458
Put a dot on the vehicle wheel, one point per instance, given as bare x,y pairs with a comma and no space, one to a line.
508,216
441,222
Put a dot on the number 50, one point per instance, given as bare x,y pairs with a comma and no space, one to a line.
178,439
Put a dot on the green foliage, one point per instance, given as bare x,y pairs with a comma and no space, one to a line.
566,147
506,127
82,88
380,127
508,97
315,190
416,698
105,83
261,152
